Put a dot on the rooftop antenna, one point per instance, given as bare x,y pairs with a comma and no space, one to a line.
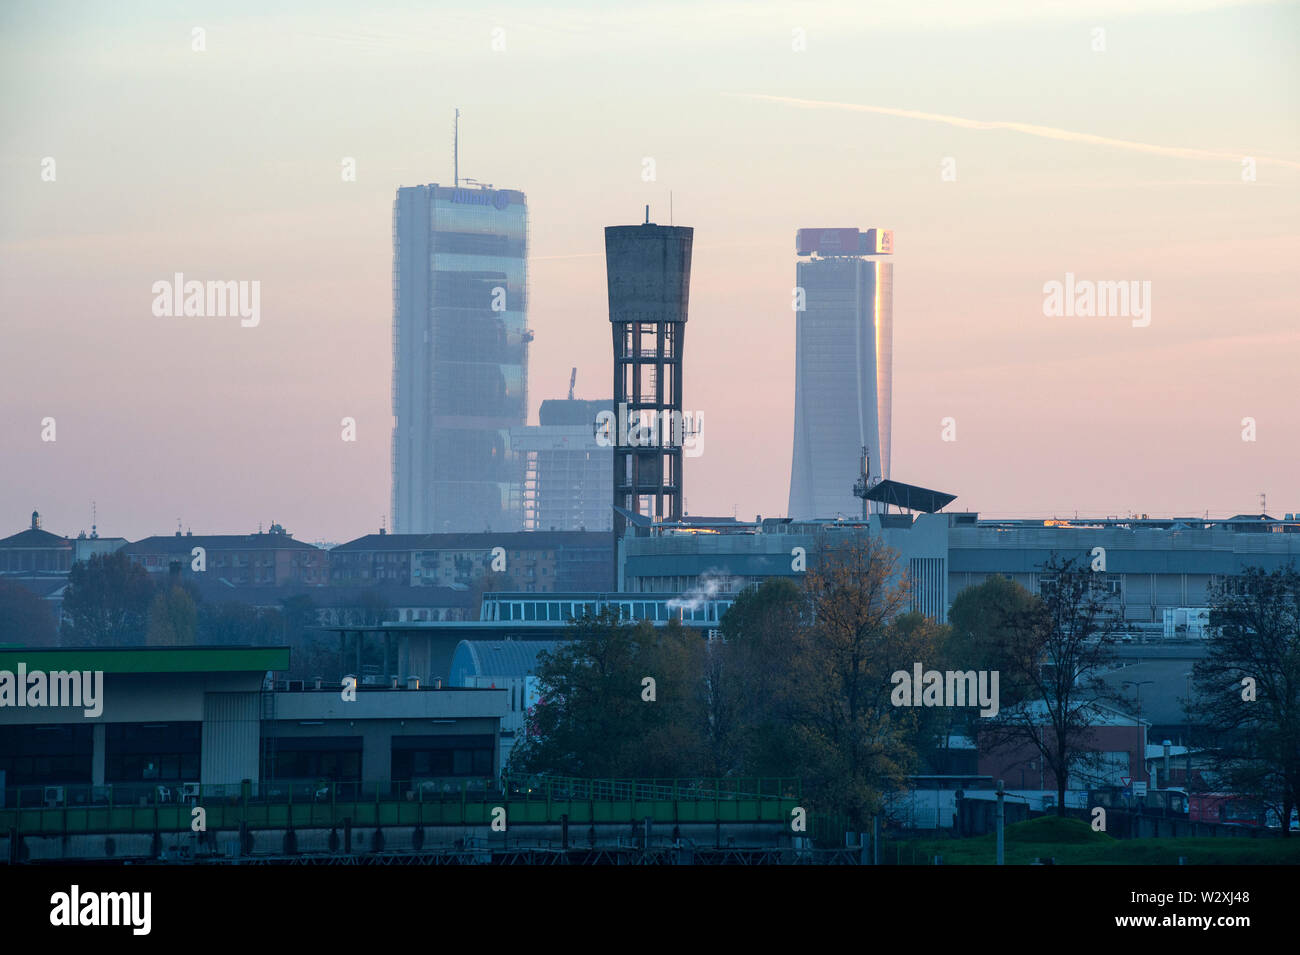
865,484
455,150
647,214
1263,504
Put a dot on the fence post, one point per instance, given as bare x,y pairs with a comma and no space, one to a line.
1001,823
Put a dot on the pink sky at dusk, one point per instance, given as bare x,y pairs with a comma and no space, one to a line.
225,164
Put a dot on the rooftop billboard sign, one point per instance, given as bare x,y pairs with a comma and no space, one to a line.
844,242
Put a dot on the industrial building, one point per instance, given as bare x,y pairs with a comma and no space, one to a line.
176,720
1152,568
1149,566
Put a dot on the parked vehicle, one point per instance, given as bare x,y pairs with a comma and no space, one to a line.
1227,809
1163,802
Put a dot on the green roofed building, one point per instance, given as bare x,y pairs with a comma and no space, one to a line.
150,725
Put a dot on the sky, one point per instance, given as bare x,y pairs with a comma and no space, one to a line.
1005,143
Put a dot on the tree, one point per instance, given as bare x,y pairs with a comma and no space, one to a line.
372,608
747,681
232,623
25,618
987,624
314,653
597,716
1055,651
489,582
855,743
173,619
1247,695
107,602
799,685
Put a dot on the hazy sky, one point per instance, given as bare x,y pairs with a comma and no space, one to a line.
1122,164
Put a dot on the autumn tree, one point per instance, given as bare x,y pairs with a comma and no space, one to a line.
856,744
173,619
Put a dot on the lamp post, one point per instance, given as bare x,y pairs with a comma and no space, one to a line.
1139,684
1187,742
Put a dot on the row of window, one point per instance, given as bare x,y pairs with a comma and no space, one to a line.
170,754
338,758
561,610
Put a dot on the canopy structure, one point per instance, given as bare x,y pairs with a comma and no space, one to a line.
909,496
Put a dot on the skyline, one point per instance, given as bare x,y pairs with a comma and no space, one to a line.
224,166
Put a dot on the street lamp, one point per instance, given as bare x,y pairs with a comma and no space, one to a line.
1187,711
1139,684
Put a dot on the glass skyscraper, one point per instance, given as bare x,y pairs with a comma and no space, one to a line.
460,358
843,367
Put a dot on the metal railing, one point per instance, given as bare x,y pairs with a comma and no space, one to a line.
563,788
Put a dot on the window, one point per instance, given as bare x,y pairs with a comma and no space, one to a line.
422,757
162,752
45,755
335,758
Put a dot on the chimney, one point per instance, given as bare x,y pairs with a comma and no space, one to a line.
36,521
318,682
394,683
412,682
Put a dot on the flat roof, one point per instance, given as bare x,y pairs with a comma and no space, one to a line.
149,659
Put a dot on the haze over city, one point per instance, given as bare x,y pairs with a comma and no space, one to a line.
224,164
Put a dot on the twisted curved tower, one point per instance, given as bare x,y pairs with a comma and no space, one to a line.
843,358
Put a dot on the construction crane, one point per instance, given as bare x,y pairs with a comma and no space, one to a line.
573,380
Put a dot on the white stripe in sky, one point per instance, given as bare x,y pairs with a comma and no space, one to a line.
1029,129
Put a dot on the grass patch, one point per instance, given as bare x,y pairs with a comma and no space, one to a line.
1073,842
